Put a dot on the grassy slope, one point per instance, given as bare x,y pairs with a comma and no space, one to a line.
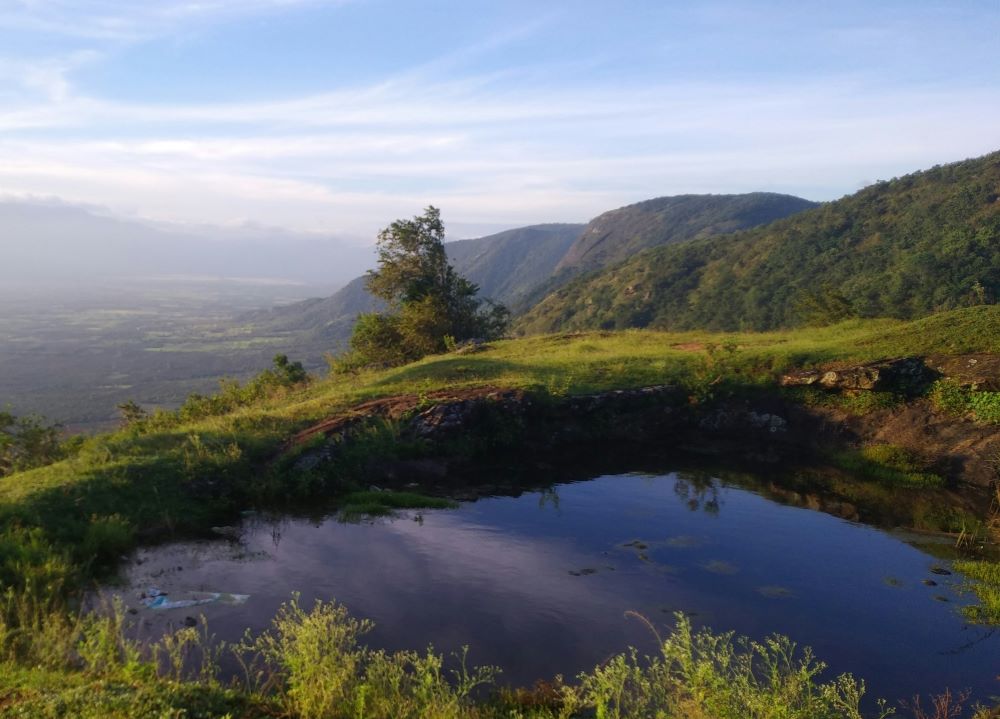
905,248
59,522
123,483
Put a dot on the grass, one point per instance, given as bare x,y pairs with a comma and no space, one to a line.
186,475
958,400
313,664
376,504
983,580
64,525
888,464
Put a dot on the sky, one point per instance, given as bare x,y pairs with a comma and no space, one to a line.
338,116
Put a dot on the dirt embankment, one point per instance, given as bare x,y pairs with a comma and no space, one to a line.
768,426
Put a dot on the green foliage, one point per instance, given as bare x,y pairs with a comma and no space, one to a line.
955,399
27,442
322,671
282,376
857,403
825,307
620,234
427,300
373,503
983,579
131,413
906,248
889,464
719,676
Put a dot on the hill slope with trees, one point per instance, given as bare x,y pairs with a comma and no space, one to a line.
619,234
519,267
904,248
504,266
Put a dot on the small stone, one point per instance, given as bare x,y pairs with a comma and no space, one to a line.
190,622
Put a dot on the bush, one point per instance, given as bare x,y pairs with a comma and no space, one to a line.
951,397
27,442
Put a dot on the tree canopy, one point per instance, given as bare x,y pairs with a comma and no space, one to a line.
430,306
903,248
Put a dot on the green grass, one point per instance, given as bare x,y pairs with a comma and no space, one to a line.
376,504
984,581
185,475
64,525
313,663
888,464
958,400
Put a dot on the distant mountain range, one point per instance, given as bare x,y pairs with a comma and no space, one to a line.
918,244
47,242
518,267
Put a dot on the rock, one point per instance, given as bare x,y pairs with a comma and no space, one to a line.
908,375
979,372
229,532
190,622
738,419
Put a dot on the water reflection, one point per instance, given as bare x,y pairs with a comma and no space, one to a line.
540,584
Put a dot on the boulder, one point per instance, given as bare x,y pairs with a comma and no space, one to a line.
979,372
908,375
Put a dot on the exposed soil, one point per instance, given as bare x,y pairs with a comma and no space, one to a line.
395,407
769,427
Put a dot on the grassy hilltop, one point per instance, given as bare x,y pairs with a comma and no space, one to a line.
63,526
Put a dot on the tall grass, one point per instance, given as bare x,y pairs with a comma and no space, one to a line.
313,664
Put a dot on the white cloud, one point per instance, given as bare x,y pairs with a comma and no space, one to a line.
111,20
351,160
502,147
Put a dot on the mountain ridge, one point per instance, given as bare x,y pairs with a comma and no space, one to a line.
903,248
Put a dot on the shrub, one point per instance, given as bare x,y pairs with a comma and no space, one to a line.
889,464
951,397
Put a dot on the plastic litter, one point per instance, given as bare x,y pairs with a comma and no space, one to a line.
157,599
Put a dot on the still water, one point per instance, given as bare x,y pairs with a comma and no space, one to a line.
540,584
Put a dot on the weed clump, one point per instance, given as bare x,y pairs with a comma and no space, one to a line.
983,580
951,397
889,464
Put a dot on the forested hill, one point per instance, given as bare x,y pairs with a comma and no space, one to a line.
508,265
520,266
619,234
504,266
903,248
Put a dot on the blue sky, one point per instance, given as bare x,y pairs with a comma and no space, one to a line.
339,116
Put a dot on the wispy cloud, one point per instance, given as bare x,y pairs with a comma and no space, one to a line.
128,21
514,140
337,158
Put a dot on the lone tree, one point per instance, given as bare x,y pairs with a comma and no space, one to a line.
430,307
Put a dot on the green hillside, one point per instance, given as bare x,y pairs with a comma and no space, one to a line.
64,525
904,248
520,266
505,266
509,265
619,234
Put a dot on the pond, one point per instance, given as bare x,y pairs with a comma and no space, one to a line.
540,584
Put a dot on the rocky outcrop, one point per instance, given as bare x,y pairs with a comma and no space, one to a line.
909,375
450,429
979,372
